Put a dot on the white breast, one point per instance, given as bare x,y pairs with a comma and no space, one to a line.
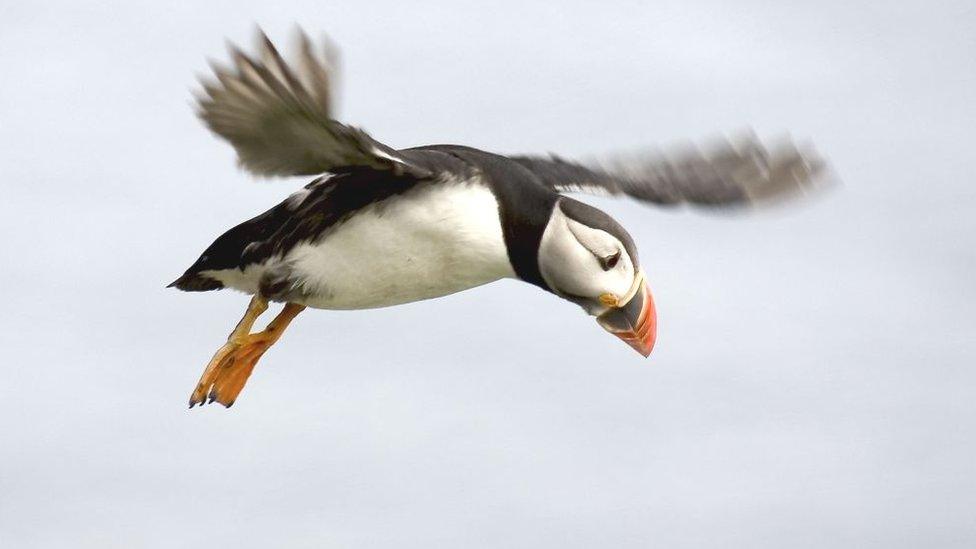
431,241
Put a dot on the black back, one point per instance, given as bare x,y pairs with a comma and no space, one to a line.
328,202
525,206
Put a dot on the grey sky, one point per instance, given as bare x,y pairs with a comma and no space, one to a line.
813,380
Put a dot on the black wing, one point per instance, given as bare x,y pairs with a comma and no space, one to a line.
279,120
728,174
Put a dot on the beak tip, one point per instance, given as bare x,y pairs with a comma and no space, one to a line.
644,348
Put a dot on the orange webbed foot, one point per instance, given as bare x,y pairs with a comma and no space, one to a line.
225,376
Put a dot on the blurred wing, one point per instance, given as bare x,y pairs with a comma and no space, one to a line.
727,175
279,120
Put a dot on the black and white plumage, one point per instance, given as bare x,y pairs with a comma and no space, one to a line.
381,226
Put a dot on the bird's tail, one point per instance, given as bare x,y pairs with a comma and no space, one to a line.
195,282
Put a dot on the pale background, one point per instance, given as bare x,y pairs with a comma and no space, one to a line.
813,381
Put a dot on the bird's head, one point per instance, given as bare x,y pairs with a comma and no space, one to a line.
588,258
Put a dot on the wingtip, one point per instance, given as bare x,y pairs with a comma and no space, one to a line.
794,170
301,35
262,40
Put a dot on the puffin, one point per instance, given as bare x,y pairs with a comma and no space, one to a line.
379,226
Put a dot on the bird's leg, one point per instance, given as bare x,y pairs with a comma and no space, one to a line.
226,354
228,370
230,379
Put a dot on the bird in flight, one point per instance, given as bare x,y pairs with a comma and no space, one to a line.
379,226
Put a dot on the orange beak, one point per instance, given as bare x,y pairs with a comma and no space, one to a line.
635,321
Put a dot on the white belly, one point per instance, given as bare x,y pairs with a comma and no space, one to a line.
431,241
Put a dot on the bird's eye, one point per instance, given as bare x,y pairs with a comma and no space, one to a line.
610,261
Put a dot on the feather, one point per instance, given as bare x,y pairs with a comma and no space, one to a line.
279,121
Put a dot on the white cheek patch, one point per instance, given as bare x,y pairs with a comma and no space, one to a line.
569,259
557,250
